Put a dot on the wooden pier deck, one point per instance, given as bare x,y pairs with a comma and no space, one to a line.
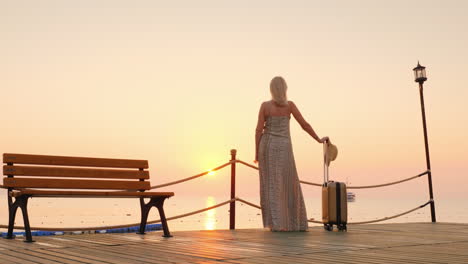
383,243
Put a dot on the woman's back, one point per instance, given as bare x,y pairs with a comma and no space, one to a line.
274,109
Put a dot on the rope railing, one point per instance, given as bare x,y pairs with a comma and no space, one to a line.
390,183
349,187
301,181
373,186
92,228
352,223
380,219
192,177
314,184
391,217
249,203
247,164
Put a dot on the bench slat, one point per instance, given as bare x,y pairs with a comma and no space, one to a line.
75,184
89,194
73,161
74,172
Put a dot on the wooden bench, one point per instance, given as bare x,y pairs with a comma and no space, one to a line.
75,177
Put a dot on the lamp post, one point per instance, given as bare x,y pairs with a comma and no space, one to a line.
420,77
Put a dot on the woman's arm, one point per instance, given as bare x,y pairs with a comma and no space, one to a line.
306,126
259,129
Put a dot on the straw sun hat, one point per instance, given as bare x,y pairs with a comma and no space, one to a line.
331,152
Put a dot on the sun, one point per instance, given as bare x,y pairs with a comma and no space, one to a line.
211,173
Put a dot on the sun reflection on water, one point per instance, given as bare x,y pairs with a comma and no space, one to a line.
210,215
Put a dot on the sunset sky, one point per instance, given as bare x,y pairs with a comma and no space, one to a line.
180,83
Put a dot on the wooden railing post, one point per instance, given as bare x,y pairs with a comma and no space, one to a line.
232,208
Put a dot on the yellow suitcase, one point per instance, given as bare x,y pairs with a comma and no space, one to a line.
334,200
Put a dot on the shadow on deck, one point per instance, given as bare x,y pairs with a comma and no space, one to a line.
383,243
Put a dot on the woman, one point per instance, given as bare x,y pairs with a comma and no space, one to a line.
281,198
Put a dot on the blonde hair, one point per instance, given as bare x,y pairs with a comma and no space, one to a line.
278,88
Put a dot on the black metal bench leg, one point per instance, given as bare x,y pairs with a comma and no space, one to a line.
144,216
23,204
159,204
11,216
11,222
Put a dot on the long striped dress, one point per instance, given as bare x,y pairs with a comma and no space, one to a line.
281,197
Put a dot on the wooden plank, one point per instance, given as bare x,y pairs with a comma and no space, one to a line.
90,194
409,243
25,258
74,172
66,254
162,255
84,255
75,184
113,257
49,257
9,259
73,161
137,254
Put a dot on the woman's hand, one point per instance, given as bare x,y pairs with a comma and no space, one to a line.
324,139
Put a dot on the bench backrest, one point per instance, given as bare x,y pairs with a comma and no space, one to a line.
59,172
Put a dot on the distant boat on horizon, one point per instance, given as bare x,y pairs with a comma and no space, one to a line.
350,195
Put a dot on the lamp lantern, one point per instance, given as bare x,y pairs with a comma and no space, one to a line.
420,74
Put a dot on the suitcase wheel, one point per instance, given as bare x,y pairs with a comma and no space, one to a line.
328,227
342,228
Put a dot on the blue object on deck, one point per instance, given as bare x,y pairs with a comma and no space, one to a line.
132,229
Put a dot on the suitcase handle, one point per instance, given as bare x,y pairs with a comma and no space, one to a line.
325,166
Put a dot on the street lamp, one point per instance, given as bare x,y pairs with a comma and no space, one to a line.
420,77
420,74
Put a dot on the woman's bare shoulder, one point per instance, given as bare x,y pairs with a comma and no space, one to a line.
265,104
